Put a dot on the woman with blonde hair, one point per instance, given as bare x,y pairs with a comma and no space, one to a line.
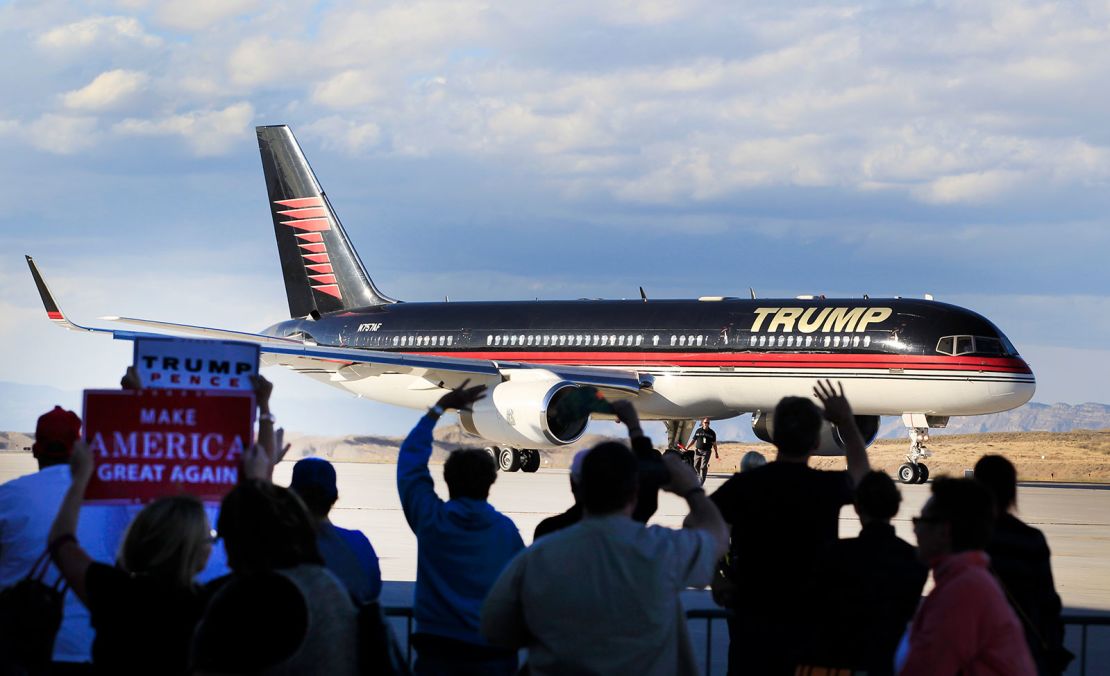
145,607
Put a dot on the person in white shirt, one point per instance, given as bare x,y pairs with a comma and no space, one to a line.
602,596
27,508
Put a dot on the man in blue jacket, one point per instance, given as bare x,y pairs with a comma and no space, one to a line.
463,545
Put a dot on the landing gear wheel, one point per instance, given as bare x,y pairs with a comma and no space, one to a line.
531,461
908,473
922,472
509,460
493,453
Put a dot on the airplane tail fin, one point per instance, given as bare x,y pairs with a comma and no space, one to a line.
322,271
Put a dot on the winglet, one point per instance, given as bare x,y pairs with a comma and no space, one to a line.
53,312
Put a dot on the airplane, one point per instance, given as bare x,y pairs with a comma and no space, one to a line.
679,360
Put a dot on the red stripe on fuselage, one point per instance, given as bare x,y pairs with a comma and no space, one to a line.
751,360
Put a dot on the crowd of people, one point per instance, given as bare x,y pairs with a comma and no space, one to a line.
277,588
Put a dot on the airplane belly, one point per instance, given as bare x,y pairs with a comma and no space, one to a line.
721,394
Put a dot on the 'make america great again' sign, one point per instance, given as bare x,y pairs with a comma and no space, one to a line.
150,443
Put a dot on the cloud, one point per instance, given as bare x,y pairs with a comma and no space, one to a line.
344,136
980,186
348,89
209,132
98,30
63,134
262,60
196,15
107,91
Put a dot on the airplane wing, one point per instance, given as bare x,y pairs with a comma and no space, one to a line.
347,364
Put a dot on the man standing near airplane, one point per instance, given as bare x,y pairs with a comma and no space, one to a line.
703,441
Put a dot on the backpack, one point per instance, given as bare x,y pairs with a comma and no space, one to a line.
30,615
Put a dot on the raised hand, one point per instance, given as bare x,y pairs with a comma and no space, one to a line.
279,445
462,398
262,390
626,413
837,409
256,463
131,380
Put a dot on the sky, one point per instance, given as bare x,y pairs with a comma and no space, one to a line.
525,150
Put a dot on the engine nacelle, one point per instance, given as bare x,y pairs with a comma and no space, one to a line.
525,413
831,443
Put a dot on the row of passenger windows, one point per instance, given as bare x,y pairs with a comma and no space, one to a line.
566,339
423,341
782,340
673,340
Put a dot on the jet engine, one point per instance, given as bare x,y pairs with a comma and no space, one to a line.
831,443
528,413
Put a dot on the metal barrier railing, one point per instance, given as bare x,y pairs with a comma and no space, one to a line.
710,615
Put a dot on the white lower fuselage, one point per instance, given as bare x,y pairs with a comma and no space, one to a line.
876,385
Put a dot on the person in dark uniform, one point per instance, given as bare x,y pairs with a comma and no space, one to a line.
703,441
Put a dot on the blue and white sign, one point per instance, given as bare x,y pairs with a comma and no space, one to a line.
195,364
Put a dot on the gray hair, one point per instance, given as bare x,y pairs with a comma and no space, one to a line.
751,460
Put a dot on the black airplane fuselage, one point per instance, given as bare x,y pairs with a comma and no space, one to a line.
902,340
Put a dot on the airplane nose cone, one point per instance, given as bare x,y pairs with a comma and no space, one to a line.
1016,390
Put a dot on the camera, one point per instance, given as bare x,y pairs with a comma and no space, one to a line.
653,472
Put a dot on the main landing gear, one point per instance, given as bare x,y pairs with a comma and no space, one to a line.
512,459
914,471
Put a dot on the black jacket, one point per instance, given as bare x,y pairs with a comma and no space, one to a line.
868,590
1020,558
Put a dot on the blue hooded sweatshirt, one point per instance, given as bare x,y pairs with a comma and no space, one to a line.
463,545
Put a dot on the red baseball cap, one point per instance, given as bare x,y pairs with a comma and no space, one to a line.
55,433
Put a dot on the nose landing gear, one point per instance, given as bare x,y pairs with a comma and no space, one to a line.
914,471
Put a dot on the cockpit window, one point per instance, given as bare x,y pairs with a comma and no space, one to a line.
959,345
990,346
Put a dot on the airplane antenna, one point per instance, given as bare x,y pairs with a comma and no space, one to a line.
446,299
642,294
866,297
751,291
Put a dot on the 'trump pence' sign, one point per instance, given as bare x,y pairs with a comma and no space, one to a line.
195,364
150,443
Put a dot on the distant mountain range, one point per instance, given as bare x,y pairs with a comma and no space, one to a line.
21,405
1032,417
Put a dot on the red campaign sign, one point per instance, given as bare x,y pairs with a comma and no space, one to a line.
151,443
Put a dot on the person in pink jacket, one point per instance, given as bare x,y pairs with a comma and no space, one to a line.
965,625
